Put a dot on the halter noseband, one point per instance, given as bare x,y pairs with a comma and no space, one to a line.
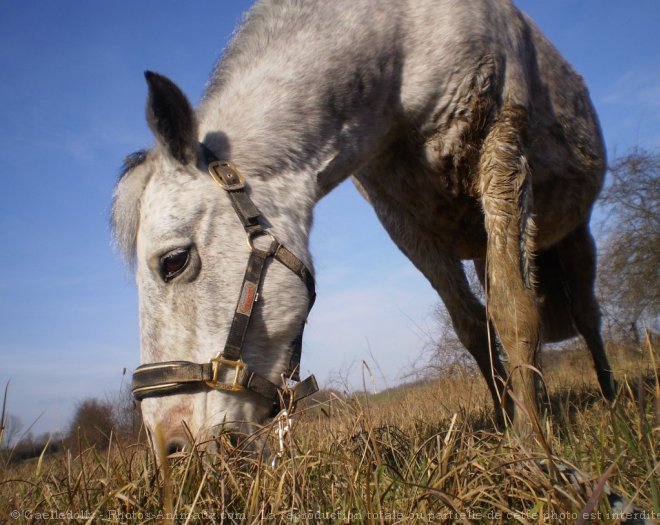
227,371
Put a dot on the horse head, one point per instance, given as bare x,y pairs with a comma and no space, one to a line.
224,286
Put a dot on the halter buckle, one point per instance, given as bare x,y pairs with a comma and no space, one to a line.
226,175
216,366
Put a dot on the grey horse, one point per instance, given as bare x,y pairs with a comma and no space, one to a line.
461,124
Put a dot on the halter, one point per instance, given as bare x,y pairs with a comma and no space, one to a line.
227,371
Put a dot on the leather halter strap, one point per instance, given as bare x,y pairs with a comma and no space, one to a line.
227,371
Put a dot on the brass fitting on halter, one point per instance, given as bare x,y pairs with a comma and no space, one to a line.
272,248
226,174
217,364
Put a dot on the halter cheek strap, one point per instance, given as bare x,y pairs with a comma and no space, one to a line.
227,371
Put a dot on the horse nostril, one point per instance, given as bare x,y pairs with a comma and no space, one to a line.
174,446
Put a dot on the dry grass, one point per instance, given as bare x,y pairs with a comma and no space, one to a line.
420,454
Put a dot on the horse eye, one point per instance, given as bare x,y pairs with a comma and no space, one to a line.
174,263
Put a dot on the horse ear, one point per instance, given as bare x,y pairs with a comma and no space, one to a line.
171,118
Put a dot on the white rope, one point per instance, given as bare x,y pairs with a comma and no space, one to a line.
284,422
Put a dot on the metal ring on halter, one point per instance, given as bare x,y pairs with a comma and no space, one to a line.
274,243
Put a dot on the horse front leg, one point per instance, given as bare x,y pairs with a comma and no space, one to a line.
506,193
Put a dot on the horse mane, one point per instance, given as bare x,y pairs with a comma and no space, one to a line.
131,161
125,212
260,27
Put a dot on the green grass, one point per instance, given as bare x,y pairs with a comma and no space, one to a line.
424,454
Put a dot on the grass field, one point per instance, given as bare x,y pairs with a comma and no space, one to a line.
423,453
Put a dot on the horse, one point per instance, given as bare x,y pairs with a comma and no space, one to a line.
460,123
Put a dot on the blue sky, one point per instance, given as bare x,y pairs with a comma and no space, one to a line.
71,107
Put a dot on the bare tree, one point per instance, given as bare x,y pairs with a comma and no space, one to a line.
630,260
92,425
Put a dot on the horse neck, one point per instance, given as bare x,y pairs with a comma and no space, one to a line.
290,154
